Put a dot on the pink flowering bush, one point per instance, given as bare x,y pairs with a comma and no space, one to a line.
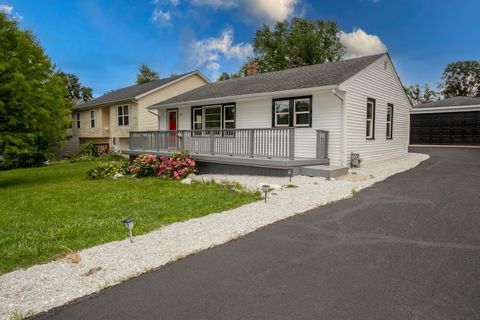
178,166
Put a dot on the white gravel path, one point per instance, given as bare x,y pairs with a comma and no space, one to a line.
42,287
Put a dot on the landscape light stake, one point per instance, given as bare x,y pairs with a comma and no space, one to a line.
129,222
265,188
290,174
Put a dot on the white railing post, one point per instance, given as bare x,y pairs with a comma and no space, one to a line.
291,144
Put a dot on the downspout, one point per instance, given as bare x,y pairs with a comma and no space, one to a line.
343,120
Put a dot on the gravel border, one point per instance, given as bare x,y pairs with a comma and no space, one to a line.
43,287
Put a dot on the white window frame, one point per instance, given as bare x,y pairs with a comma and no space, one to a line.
204,120
370,121
123,115
77,120
225,121
389,122
281,113
301,112
93,121
194,118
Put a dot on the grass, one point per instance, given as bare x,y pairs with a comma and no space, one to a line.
49,211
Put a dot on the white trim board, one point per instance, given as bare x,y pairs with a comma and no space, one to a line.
445,109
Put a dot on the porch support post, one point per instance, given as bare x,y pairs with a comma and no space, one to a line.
212,143
251,145
291,143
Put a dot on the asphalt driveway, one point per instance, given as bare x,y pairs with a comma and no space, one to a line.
406,248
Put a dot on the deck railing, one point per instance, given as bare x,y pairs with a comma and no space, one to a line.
254,143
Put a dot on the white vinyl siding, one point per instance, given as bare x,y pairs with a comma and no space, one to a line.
381,84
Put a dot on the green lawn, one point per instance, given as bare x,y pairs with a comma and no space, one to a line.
46,211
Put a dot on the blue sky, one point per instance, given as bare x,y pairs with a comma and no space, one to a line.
104,42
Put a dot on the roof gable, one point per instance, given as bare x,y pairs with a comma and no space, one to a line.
131,92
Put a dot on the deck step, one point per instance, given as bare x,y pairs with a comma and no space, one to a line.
323,171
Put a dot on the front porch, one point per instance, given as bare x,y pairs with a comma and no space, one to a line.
265,151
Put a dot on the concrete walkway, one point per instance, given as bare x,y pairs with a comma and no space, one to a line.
406,248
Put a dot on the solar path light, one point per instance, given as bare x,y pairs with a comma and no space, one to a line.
290,174
129,222
265,189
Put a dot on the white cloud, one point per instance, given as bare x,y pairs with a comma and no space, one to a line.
162,17
271,10
216,4
174,3
5,8
209,52
359,43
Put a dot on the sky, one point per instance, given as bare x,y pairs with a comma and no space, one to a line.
104,42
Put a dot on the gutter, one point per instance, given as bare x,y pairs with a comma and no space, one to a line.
341,95
445,109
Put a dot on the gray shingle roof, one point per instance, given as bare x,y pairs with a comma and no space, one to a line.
331,73
127,93
451,102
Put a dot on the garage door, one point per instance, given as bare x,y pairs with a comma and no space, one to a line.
460,128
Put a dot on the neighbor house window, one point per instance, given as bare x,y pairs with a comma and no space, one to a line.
92,118
220,116
292,112
389,121
123,115
77,119
370,119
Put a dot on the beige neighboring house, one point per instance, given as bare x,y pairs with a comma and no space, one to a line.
107,121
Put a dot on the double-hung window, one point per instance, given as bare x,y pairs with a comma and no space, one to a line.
370,132
214,117
282,113
92,118
389,133
292,112
123,116
77,119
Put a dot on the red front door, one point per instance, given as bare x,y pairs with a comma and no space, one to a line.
172,125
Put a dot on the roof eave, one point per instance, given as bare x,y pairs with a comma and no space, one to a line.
242,97
445,109
110,103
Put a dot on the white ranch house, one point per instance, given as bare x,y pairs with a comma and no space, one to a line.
304,120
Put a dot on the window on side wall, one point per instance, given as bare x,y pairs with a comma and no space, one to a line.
123,115
389,128
370,132
77,119
292,112
92,118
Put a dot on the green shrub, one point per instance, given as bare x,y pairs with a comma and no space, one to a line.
89,149
113,157
108,170
81,158
21,158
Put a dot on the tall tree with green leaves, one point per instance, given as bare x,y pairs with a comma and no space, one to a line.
76,91
145,74
421,94
296,43
461,78
33,105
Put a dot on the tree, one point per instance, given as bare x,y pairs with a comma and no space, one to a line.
145,74
421,94
296,43
461,78
224,76
33,105
76,91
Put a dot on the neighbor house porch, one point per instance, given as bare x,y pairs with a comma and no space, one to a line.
267,151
